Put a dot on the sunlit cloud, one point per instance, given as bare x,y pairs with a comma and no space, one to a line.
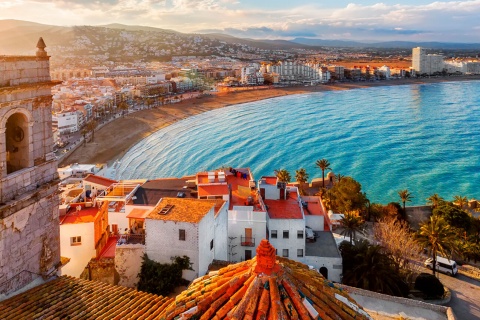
434,21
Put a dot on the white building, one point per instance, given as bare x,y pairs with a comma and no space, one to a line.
82,236
182,227
68,121
424,63
385,72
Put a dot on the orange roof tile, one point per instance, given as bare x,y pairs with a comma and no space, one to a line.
182,210
73,298
266,287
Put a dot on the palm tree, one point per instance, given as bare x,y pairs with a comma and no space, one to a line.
301,175
91,126
339,177
434,200
351,224
460,201
123,106
374,270
405,196
84,133
323,164
283,175
437,235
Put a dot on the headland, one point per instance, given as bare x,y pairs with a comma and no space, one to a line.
114,139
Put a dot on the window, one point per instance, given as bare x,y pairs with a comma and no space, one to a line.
76,241
285,253
211,244
300,234
273,234
181,234
285,234
299,252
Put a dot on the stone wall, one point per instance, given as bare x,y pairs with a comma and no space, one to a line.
102,270
16,70
29,243
128,261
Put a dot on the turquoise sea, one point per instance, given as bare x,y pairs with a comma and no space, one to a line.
424,138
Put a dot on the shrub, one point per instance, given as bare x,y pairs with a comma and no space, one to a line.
429,285
162,278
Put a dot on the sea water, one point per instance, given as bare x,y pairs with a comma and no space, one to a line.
424,138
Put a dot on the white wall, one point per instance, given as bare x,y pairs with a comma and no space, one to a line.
206,234
162,243
271,191
316,222
334,266
118,218
79,255
239,218
221,234
292,243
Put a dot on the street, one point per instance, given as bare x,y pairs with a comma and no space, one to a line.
465,300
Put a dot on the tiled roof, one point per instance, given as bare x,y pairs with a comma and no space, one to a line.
73,298
99,180
182,210
266,287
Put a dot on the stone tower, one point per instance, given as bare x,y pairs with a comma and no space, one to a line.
29,229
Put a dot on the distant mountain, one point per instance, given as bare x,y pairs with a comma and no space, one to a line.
136,28
386,44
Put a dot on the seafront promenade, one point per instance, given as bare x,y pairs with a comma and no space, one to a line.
113,139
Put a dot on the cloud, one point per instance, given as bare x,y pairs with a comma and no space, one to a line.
435,21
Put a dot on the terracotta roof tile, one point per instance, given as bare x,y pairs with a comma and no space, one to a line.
99,180
266,287
182,210
72,298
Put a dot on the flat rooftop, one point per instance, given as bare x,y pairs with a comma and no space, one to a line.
284,209
152,191
83,216
182,210
324,246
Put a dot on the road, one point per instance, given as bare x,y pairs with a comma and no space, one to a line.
465,301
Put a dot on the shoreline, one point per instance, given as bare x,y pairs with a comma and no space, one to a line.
112,141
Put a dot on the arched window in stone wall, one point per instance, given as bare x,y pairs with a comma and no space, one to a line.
17,142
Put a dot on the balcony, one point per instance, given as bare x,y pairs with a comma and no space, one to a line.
131,239
247,241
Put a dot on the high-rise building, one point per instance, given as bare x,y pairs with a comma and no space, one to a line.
29,230
424,63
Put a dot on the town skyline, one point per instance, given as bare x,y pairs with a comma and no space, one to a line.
369,21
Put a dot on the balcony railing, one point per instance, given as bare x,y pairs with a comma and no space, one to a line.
131,239
247,241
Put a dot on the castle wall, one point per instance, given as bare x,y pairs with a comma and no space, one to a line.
29,227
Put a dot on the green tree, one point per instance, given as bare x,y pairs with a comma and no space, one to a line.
437,235
162,278
434,200
405,196
339,177
351,224
301,175
346,196
123,106
84,134
323,164
283,175
367,267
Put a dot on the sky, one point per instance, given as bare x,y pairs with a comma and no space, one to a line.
370,20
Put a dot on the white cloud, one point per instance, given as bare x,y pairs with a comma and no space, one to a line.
439,21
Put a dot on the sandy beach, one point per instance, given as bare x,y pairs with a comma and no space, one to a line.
114,139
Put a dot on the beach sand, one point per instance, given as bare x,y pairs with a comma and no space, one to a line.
114,139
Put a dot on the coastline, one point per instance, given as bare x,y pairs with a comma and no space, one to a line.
114,139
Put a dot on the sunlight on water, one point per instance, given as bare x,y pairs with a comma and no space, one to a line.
425,138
